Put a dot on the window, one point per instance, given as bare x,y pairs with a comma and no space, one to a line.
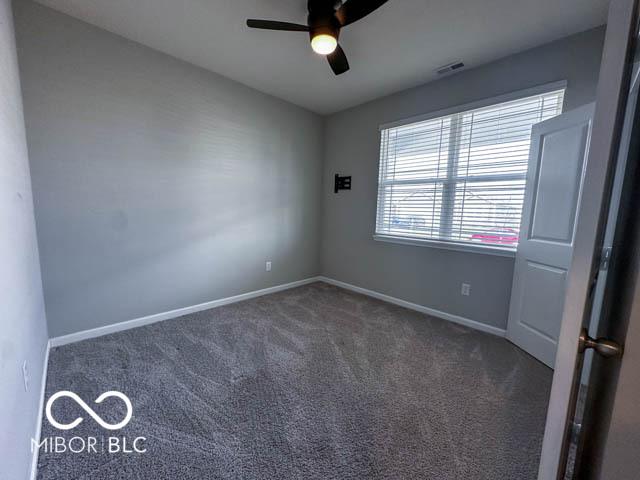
460,178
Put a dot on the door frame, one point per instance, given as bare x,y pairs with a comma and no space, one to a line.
606,444
607,126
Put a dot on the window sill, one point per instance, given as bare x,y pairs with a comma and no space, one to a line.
460,247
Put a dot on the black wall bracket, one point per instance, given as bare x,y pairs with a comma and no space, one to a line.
342,183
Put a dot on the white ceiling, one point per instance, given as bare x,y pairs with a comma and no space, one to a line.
396,47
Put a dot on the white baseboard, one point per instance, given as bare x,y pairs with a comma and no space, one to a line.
38,432
158,317
419,308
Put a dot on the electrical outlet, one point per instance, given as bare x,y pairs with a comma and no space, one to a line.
466,289
25,376
268,267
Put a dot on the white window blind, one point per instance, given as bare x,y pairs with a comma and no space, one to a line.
460,178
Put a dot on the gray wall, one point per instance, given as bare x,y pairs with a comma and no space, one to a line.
619,459
430,276
23,329
158,185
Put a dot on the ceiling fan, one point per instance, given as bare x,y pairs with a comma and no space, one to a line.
326,18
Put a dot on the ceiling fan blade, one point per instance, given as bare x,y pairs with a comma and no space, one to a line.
353,10
273,25
338,61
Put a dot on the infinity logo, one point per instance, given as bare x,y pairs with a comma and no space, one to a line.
89,410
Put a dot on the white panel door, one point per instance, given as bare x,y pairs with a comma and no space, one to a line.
557,163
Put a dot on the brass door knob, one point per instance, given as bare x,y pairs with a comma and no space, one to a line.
602,346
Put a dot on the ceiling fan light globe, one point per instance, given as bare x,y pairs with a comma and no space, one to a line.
324,44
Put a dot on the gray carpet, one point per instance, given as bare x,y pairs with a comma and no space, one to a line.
311,383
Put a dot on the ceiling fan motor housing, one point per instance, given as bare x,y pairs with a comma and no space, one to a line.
322,18
320,5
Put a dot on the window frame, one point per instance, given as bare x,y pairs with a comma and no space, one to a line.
487,102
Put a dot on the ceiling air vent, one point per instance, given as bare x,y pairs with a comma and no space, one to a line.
452,67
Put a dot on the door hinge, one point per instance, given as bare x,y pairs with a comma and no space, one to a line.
605,258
